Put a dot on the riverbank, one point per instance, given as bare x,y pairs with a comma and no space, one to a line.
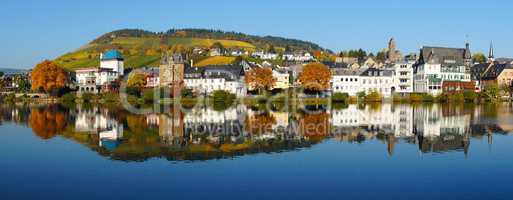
226,99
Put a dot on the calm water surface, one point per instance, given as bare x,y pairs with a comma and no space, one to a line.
352,152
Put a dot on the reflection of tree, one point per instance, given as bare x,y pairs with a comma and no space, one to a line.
46,123
136,123
259,124
315,125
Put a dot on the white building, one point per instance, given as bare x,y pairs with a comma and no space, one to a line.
205,80
94,79
403,77
439,64
346,81
298,57
265,56
113,60
239,52
378,80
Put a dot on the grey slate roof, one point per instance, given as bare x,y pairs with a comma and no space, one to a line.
348,72
377,72
443,55
495,70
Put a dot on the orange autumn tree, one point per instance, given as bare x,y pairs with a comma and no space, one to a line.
260,123
48,76
315,125
315,76
260,79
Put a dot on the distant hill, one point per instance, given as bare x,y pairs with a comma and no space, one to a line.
144,48
12,71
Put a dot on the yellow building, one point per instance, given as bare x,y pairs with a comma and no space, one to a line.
282,79
498,74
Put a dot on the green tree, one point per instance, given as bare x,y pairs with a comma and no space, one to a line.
21,82
1,74
219,46
491,92
479,58
380,57
2,84
136,80
506,90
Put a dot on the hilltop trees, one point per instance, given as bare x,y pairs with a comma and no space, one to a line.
260,78
478,58
360,54
48,76
315,77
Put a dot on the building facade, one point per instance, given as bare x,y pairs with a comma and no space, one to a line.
207,79
403,77
171,73
438,64
104,78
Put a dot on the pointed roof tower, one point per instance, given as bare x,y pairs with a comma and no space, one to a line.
467,51
490,52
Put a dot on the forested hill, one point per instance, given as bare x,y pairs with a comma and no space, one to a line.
143,48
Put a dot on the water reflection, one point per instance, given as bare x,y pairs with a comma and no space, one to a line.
204,133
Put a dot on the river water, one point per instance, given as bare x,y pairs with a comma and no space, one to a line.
348,152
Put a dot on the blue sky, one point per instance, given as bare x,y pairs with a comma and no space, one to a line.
33,30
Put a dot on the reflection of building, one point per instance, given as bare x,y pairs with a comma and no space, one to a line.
441,132
171,127
387,118
430,122
96,121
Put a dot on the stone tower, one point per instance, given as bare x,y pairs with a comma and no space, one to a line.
392,54
172,73
467,57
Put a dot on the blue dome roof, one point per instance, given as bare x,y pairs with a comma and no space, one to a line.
112,55
109,144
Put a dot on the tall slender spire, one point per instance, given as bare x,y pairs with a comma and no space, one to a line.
490,52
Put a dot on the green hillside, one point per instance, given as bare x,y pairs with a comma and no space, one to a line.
144,48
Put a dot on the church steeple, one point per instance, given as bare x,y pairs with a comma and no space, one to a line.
490,53
468,56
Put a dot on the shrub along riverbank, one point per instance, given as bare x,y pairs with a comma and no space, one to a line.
222,98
